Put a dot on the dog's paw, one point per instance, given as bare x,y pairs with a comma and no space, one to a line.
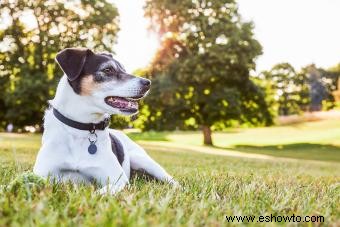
174,183
105,191
110,189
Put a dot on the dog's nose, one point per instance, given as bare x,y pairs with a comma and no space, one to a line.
145,82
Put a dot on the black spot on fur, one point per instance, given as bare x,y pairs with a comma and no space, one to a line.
91,67
117,148
76,85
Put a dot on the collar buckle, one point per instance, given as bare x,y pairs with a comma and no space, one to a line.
93,130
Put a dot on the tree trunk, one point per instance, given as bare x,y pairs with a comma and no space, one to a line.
207,135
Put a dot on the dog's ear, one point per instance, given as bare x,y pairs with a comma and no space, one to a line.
72,60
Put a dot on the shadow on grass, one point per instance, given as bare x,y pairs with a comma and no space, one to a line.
311,151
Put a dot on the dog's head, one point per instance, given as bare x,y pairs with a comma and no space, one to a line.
102,80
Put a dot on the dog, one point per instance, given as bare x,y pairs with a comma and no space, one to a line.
77,145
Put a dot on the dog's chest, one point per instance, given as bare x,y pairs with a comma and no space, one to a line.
79,155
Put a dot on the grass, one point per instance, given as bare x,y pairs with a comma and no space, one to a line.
312,140
213,185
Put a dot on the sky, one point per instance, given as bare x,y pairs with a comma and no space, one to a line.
136,44
300,32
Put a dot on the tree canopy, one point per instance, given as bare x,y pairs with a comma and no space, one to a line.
289,88
201,72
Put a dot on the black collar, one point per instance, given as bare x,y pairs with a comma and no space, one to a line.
92,127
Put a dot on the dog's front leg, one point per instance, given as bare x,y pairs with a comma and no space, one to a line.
140,160
115,184
112,188
110,175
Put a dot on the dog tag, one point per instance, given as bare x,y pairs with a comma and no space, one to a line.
92,148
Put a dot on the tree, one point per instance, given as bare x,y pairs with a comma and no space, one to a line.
290,89
335,87
330,78
201,72
317,90
334,75
322,82
32,32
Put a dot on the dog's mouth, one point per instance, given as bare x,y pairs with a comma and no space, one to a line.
123,104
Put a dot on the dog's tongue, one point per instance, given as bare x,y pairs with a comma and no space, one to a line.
122,103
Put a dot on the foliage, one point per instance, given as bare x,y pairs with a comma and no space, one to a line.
119,122
211,190
288,88
322,82
201,72
335,76
269,92
291,92
330,78
34,33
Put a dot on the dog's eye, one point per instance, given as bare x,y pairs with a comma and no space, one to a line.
108,70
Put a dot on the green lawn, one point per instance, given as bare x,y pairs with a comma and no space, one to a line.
312,140
213,185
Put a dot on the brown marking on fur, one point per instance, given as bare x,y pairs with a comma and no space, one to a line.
87,85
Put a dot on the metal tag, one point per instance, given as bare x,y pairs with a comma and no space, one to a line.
92,148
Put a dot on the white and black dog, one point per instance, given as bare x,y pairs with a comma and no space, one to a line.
77,145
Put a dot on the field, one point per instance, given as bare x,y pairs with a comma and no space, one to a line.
264,171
